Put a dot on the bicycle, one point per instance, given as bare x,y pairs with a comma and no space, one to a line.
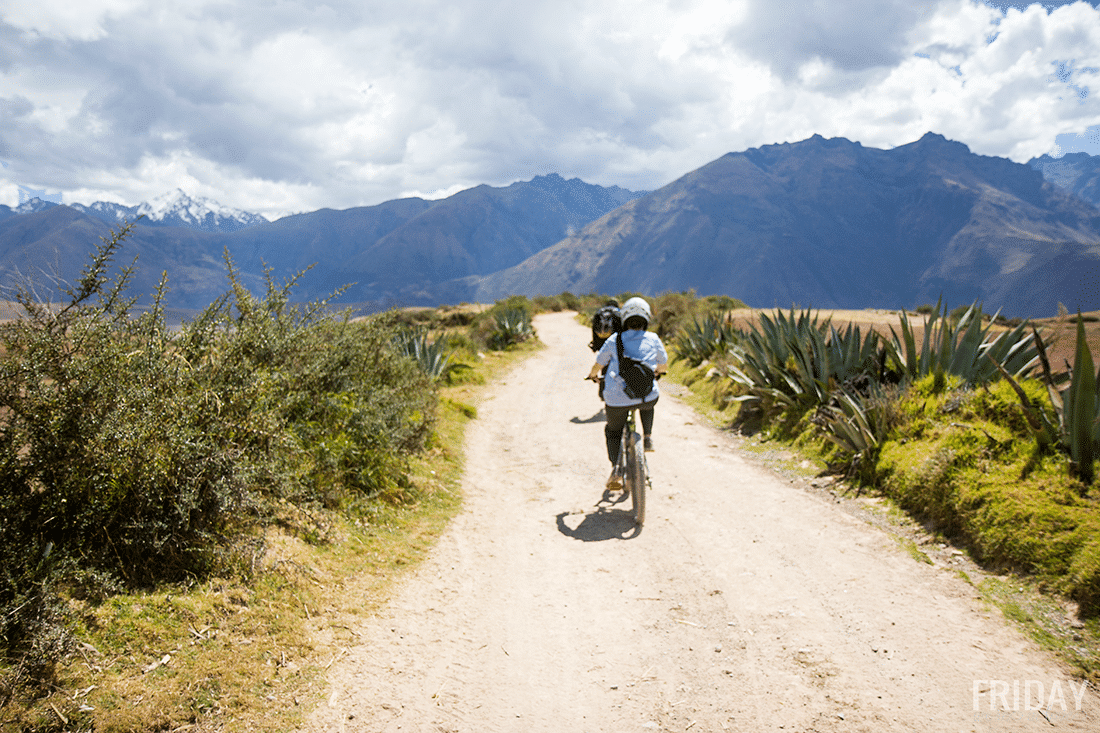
632,465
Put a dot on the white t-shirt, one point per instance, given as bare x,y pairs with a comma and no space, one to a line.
637,344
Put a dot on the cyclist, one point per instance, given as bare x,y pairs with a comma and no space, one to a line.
605,321
643,346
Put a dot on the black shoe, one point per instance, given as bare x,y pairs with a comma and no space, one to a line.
648,443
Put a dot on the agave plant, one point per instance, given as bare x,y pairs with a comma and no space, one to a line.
1081,410
431,356
1075,425
512,326
800,361
702,340
966,349
762,358
857,424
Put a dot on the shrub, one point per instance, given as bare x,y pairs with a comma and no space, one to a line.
130,455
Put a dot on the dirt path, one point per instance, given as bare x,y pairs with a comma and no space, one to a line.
744,604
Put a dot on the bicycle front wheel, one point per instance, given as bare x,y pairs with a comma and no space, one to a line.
636,478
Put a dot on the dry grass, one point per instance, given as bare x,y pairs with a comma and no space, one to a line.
1060,336
228,654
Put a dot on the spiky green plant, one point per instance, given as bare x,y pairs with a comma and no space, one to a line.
701,340
799,362
1075,424
431,356
1082,409
511,326
965,348
858,424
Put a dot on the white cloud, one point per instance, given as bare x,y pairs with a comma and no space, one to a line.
290,106
850,36
84,20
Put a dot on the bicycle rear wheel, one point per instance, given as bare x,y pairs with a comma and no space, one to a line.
635,476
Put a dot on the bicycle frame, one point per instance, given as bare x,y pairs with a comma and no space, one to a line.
633,467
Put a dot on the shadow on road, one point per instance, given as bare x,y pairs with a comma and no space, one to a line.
598,417
606,523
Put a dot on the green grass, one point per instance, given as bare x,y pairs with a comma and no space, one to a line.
913,550
1048,621
708,396
964,463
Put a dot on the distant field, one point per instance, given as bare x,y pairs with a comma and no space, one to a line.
8,310
1060,335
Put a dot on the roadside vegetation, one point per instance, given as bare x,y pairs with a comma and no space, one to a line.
190,518
964,421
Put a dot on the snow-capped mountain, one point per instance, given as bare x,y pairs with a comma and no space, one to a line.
107,211
176,209
179,209
32,206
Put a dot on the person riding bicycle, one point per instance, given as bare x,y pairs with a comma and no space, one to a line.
642,346
605,321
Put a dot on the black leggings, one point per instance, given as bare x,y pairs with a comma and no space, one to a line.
616,421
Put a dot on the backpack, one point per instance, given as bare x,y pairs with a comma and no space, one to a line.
605,319
637,375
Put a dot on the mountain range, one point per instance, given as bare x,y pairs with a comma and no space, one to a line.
821,223
173,209
833,224
394,253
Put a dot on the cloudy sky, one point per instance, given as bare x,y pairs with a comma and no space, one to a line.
277,106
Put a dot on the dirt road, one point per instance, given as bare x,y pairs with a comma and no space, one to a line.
744,604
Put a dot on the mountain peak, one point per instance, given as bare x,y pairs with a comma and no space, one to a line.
33,205
928,219
932,139
177,208
174,202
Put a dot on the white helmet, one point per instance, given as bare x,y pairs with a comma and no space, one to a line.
636,307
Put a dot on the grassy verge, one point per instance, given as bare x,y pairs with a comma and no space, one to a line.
1047,620
251,652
